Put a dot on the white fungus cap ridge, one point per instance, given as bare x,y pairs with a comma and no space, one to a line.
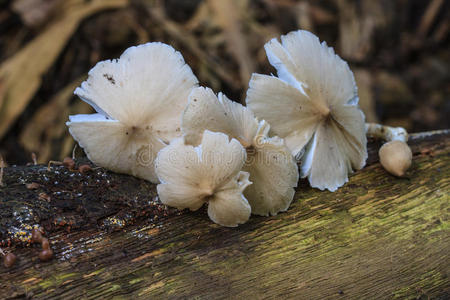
139,99
209,173
205,110
313,106
272,168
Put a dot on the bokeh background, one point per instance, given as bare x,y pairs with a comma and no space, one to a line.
398,50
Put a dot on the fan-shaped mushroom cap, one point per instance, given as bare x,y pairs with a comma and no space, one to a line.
211,172
272,169
205,110
139,99
313,106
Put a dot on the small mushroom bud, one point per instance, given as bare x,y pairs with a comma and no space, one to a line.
46,254
45,244
395,157
69,163
34,158
84,169
9,260
36,236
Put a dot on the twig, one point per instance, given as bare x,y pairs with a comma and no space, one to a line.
428,17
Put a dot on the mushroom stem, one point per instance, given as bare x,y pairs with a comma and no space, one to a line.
395,155
34,158
1,171
207,191
53,162
73,151
386,133
322,109
244,142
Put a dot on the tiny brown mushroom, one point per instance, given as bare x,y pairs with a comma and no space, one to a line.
84,169
46,254
45,244
9,260
36,236
69,163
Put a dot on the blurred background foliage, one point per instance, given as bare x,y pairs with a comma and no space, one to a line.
398,51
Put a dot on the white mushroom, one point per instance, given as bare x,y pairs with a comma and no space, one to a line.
139,99
273,171
395,155
313,106
209,173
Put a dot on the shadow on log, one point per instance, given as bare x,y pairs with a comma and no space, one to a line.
376,237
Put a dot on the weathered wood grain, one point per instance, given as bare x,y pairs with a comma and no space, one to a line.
378,237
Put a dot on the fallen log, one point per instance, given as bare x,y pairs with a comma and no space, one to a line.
377,237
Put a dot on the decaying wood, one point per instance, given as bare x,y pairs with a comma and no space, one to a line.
377,237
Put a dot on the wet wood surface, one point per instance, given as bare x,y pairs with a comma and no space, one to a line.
377,237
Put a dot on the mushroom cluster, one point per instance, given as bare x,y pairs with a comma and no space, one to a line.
153,122
272,169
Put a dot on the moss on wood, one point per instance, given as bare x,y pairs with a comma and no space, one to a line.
378,237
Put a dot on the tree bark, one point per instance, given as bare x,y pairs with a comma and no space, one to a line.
377,237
